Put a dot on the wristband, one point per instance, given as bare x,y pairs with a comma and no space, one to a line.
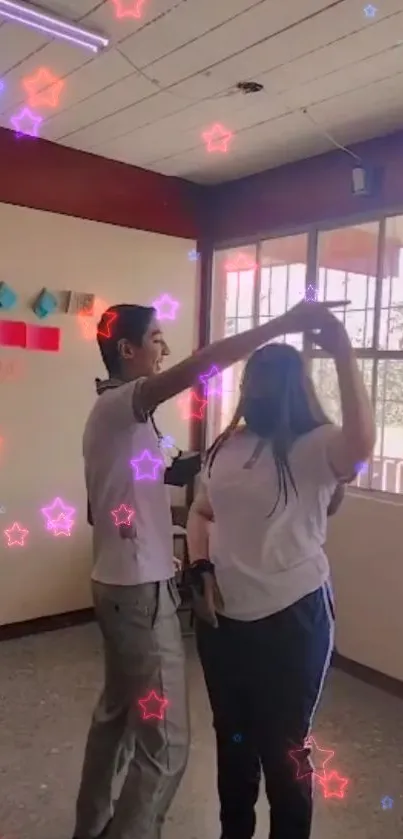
195,573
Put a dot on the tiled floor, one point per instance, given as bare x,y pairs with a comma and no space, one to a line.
48,685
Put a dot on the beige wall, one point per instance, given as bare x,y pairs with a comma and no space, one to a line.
365,548
43,412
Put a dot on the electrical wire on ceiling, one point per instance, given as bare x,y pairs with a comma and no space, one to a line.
330,136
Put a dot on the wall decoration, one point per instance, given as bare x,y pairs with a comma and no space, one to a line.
128,8
8,297
45,338
45,305
217,138
16,535
11,370
13,333
26,122
166,307
43,89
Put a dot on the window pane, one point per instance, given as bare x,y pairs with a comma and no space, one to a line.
388,459
391,320
347,260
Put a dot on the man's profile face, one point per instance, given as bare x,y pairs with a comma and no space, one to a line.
154,349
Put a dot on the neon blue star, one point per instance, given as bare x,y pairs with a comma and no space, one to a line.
237,738
193,255
370,11
387,803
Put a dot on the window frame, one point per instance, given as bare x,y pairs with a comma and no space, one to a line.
313,231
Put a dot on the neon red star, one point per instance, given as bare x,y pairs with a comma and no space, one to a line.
153,706
107,321
318,758
128,8
241,262
37,95
334,786
217,138
192,406
123,515
15,535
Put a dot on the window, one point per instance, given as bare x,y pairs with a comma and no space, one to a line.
362,264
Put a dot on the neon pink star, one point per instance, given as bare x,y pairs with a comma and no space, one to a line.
15,535
192,406
122,515
318,757
166,307
241,262
217,138
61,526
40,97
334,786
27,118
146,467
153,706
53,513
128,8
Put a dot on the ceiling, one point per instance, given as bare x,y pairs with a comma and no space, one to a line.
170,76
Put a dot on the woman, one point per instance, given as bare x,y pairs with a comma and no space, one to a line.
267,635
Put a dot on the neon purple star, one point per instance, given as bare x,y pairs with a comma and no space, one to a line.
166,307
58,515
29,119
311,294
146,467
209,389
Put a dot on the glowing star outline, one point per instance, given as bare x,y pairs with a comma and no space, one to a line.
123,515
107,320
387,802
149,714
61,526
370,11
241,262
170,303
26,114
146,457
87,324
337,792
49,95
193,255
210,390
12,538
311,294
217,138
309,742
185,402
136,10
167,442
53,517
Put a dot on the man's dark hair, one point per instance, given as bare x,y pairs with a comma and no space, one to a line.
125,320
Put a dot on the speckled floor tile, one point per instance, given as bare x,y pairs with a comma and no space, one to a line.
49,683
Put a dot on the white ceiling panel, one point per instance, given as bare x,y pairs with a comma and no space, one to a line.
171,74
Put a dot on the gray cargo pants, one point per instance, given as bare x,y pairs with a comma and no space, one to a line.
143,653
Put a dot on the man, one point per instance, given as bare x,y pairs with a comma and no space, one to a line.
144,698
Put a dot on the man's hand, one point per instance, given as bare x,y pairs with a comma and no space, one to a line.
206,605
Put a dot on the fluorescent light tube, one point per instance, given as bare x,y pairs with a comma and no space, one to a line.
35,19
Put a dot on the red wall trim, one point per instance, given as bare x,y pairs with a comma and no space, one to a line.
47,176
299,194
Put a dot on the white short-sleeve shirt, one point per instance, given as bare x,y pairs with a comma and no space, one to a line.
132,530
264,562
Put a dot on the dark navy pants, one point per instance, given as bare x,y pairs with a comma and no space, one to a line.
264,680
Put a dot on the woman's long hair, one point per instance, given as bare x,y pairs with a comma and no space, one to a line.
278,402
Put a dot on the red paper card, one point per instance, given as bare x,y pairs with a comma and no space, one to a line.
12,333
43,338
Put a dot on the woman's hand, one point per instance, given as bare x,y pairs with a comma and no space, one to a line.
205,605
305,316
331,336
